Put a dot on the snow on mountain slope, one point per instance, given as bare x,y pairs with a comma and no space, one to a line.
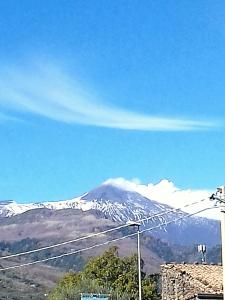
164,192
167,193
122,205
12,208
118,202
114,202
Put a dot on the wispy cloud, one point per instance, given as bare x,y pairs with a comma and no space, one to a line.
50,92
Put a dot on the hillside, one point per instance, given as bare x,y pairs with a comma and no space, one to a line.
27,283
44,227
119,204
26,227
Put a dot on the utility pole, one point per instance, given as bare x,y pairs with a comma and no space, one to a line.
220,196
137,224
222,203
139,261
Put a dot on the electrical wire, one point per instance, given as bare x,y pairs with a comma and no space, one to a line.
64,243
104,243
100,233
178,219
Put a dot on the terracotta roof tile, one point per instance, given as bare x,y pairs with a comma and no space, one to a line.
208,276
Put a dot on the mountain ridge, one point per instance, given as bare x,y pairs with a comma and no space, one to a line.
119,204
164,192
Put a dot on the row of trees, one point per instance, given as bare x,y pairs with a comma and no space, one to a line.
109,274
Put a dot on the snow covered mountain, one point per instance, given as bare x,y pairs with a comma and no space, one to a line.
114,202
122,202
166,192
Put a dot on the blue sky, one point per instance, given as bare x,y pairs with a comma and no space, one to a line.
91,90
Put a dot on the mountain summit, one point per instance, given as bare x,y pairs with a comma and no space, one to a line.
127,201
121,204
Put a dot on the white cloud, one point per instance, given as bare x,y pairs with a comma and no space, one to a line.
166,192
48,91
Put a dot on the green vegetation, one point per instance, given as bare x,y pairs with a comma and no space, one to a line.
16,287
107,273
75,262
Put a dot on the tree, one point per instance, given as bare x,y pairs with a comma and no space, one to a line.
105,268
107,273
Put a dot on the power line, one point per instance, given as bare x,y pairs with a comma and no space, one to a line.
99,233
174,209
104,243
64,243
178,219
